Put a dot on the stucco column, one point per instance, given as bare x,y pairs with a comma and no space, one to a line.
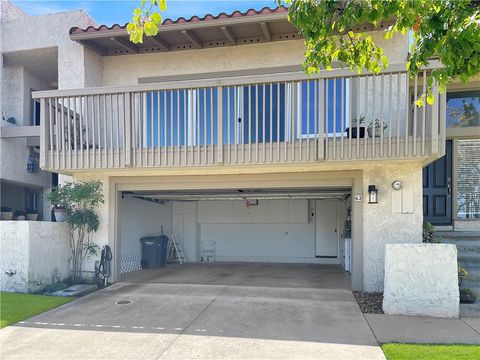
397,218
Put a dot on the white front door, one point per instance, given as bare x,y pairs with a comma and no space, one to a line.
326,228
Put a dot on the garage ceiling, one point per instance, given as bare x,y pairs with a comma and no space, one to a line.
242,194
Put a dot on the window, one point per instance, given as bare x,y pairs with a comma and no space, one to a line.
273,112
468,179
181,117
35,112
463,109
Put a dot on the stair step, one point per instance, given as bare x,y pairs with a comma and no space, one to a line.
458,234
468,283
470,310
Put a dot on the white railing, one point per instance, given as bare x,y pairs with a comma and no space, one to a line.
251,120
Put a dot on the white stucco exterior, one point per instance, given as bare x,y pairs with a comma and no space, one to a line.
129,69
33,255
421,279
397,218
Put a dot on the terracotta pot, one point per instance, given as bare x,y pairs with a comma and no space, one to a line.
32,217
59,215
6,215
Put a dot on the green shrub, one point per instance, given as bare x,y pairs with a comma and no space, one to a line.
428,231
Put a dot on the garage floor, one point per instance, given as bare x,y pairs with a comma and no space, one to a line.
242,311
248,274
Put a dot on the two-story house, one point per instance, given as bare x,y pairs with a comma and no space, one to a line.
211,131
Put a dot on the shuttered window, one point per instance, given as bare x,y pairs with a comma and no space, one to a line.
468,179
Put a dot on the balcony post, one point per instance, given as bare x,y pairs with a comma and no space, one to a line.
44,136
219,124
435,119
128,130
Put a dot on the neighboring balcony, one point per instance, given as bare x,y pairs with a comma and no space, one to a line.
274,119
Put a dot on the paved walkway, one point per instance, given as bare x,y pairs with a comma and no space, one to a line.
428,330
204,320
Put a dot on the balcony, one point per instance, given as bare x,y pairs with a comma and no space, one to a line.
274,119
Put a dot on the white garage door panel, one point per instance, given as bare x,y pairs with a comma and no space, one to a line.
267,212
261,241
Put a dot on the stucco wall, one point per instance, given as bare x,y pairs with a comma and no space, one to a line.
123,70
36,251
140,218
421,279
13,165
385,222
51,30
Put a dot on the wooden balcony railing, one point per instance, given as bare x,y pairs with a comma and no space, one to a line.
281,118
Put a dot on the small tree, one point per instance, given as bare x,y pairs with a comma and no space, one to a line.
80,200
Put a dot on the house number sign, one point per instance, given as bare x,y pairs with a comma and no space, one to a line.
358,197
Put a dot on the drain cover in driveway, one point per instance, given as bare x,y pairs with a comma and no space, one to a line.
123,302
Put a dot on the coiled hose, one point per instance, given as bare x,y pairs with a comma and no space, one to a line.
103,270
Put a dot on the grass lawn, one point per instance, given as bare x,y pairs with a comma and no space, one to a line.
425,351
17,307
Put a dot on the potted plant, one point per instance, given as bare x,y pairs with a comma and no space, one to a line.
32,214
357,128
19,215
467,296
79,200
6,213
461,274
59,212
379,127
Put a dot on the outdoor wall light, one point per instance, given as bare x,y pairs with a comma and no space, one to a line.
372,194
397,185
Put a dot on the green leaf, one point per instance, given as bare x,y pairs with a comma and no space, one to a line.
137,11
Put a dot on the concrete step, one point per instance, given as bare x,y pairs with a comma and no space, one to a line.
459,234
460,238
470,310
468,251
471,282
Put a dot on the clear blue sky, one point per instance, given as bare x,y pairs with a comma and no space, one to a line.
119,11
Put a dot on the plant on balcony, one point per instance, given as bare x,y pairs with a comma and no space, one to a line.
376,126
79,199
357,128
32,214
6,213
19,215
77,137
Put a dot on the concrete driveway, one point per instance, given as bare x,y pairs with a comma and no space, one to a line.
205,311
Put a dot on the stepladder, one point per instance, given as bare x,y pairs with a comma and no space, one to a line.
175,251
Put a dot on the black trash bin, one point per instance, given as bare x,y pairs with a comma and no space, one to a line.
154,251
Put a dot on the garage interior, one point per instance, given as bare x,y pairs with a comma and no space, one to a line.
233,236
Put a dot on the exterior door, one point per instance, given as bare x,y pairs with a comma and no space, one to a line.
326,228
437,186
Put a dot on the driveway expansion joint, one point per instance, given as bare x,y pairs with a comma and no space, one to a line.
191,322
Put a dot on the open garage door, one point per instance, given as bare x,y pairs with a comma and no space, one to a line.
261,225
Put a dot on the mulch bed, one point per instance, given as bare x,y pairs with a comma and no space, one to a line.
370,303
